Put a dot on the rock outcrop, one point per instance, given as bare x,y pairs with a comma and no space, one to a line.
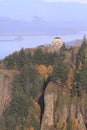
63,112
49,101
6,78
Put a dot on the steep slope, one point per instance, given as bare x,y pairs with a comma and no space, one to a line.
6,79
63,112
66,107
42,89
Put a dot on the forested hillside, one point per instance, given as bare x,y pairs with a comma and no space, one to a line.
39,74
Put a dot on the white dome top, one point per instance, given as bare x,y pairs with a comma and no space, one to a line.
57,42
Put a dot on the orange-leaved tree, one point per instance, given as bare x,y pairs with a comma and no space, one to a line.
44,71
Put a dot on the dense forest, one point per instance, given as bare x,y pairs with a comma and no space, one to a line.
66,68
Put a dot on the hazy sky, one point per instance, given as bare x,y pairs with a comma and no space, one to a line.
80,1
27,9
45,10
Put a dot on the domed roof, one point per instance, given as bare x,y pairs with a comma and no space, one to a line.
57,42
57,38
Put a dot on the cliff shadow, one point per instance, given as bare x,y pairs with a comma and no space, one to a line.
41,100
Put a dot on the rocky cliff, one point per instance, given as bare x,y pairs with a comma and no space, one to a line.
6,78
49,101
42,89
63,112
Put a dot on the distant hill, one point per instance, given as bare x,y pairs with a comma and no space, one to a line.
39,26
74,42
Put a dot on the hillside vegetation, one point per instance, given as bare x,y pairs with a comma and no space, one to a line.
67,69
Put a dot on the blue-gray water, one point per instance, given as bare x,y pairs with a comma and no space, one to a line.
9,44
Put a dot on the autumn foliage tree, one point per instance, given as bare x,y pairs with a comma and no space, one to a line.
44,71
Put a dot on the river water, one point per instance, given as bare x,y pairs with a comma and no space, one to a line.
10,44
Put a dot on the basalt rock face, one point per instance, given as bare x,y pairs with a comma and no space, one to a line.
49,101
63,112
6,78
49,91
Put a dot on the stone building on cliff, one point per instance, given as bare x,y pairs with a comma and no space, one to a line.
57,42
